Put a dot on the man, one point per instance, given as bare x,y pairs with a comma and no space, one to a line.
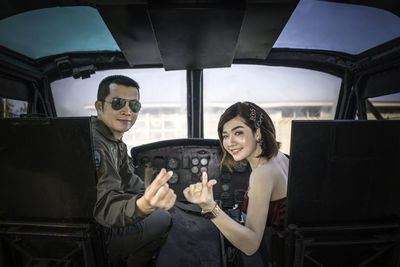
135,219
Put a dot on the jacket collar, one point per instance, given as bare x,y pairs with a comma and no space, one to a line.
103,129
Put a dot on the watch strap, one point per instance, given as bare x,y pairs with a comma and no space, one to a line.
211,214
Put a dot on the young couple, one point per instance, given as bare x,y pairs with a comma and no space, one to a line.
135,220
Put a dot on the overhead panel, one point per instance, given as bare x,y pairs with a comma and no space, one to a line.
262,26
132,30
196,37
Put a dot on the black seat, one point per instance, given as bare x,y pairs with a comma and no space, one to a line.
47,193
343,195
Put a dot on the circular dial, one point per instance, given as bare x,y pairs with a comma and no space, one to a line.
173,163
195,169
204,161
174,178
195,161
203,169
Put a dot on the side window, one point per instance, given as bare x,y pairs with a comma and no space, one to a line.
285,93
384,107
11,108
162,94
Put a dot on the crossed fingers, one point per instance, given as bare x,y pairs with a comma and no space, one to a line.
158,194
200,192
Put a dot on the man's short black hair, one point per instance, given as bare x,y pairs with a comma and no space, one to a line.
104,86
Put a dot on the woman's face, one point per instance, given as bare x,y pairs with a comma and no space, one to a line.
239,140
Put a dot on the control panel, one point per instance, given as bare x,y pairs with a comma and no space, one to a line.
188,159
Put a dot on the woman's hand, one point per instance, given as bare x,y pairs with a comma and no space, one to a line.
201,193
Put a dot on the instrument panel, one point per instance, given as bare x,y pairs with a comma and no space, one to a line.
188,159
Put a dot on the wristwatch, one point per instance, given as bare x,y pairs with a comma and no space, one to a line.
211,213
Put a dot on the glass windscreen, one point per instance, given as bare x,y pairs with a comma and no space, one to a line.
57,30
385,107
162,94
326,25
11,108
314,24
285,93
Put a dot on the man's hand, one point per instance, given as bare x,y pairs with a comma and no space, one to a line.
157,194
201,193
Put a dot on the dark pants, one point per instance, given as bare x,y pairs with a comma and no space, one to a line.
135,245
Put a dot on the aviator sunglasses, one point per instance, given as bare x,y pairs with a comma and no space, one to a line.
118,103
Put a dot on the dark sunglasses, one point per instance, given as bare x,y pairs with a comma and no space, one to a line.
118,103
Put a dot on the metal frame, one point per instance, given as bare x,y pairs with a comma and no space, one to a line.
194,79
302,240
14,232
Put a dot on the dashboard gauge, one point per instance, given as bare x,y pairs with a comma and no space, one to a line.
195,169
173,163
174,178
204,161
195,161
203,169
225,187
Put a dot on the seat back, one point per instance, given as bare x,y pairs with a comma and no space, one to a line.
343,194
47,170
47,193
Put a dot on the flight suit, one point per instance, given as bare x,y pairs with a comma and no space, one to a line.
130,236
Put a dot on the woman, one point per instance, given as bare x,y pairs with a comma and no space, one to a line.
246,132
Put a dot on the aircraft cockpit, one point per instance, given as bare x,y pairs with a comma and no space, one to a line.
326,72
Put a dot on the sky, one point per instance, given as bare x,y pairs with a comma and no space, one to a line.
338,27
226,85
314,24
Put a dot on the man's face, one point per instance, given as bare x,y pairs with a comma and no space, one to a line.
118,121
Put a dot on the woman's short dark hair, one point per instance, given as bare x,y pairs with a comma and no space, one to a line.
254,117
104,86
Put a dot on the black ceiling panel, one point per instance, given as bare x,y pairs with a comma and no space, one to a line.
262,26
196,37
131,29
